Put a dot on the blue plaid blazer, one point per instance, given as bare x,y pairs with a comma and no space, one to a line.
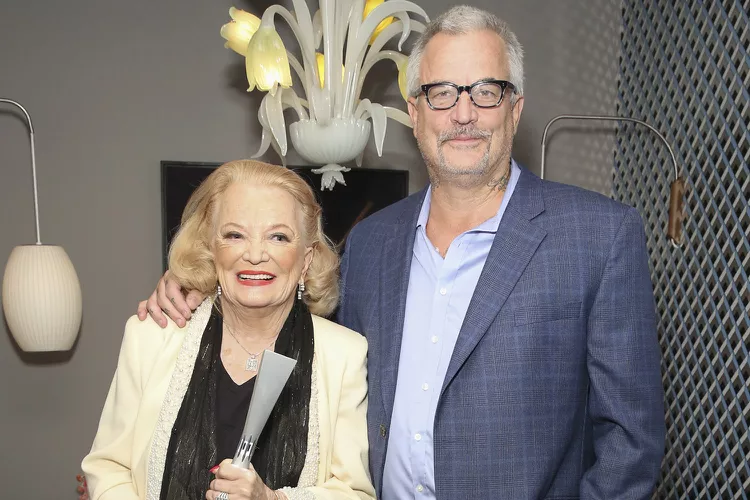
554,387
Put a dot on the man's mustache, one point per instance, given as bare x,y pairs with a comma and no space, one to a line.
464,133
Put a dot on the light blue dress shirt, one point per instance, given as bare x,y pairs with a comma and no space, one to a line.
436,302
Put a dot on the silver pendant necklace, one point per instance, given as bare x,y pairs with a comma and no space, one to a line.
252,363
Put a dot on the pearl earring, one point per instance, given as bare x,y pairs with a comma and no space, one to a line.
300,289
218,290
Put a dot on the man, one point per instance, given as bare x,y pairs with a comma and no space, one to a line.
510,321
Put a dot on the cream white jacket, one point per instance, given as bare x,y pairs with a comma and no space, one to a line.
153,371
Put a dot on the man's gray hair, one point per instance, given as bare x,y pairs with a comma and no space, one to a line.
460,20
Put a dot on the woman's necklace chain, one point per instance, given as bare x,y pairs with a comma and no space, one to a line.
252,363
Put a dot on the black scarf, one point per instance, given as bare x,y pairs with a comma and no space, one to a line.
282,446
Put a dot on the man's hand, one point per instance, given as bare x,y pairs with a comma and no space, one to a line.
168,300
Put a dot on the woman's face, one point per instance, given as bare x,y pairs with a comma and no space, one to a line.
259,251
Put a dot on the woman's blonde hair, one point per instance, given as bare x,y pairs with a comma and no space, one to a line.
191,260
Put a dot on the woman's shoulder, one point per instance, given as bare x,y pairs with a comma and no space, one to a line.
333,335
150,329
148,336
146,343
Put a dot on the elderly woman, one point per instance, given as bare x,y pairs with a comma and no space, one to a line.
251,240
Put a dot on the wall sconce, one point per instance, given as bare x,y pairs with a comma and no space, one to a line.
677,187
41,292
333,126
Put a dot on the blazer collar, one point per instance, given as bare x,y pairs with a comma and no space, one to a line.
515,243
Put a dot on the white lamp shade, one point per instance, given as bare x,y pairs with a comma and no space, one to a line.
42,298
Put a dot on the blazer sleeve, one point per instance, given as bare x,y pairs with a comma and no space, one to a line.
108,465
349,478
345,314
625,396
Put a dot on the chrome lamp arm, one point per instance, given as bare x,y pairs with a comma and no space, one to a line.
677,186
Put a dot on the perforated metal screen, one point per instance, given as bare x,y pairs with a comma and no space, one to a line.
685,68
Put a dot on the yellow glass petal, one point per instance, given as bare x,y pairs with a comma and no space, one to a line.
320,59
321,63
402,79
240,30
237,37
369,6
243,17
267,64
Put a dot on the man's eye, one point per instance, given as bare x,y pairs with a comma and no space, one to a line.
487,93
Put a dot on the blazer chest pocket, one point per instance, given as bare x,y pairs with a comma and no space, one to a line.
544,312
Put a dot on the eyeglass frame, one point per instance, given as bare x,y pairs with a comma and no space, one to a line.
504,84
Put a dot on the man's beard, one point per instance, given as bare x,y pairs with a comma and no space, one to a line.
468,175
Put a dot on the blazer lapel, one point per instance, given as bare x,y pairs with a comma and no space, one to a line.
395,267
515,243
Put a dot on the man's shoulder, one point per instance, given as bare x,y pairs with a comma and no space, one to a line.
568,201
572,213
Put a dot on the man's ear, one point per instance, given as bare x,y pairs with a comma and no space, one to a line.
517,110
411,105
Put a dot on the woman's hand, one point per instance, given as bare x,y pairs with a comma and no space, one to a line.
239,484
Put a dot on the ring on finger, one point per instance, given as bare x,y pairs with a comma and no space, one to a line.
223,495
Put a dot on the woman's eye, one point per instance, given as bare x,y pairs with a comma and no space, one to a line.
279,237
232,235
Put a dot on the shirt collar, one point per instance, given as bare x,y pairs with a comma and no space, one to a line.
491,224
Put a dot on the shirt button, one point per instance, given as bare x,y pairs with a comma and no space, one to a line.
443,291
425,386
434,339
420,488
417,437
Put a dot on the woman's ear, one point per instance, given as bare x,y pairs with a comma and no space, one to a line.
309,252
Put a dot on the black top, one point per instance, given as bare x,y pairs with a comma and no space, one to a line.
232,402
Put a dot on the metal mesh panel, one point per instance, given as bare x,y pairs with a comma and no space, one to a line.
685,69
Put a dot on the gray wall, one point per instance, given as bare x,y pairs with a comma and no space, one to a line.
115,87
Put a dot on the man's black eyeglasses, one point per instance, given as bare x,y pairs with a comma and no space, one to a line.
484,93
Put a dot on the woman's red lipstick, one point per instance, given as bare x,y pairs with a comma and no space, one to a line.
255,278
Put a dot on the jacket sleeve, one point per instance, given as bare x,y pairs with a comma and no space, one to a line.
345,314
626,399
350,477
108,465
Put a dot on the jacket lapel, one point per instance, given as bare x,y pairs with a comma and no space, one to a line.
396,264
514,245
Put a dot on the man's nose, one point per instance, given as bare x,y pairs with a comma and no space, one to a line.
464,111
